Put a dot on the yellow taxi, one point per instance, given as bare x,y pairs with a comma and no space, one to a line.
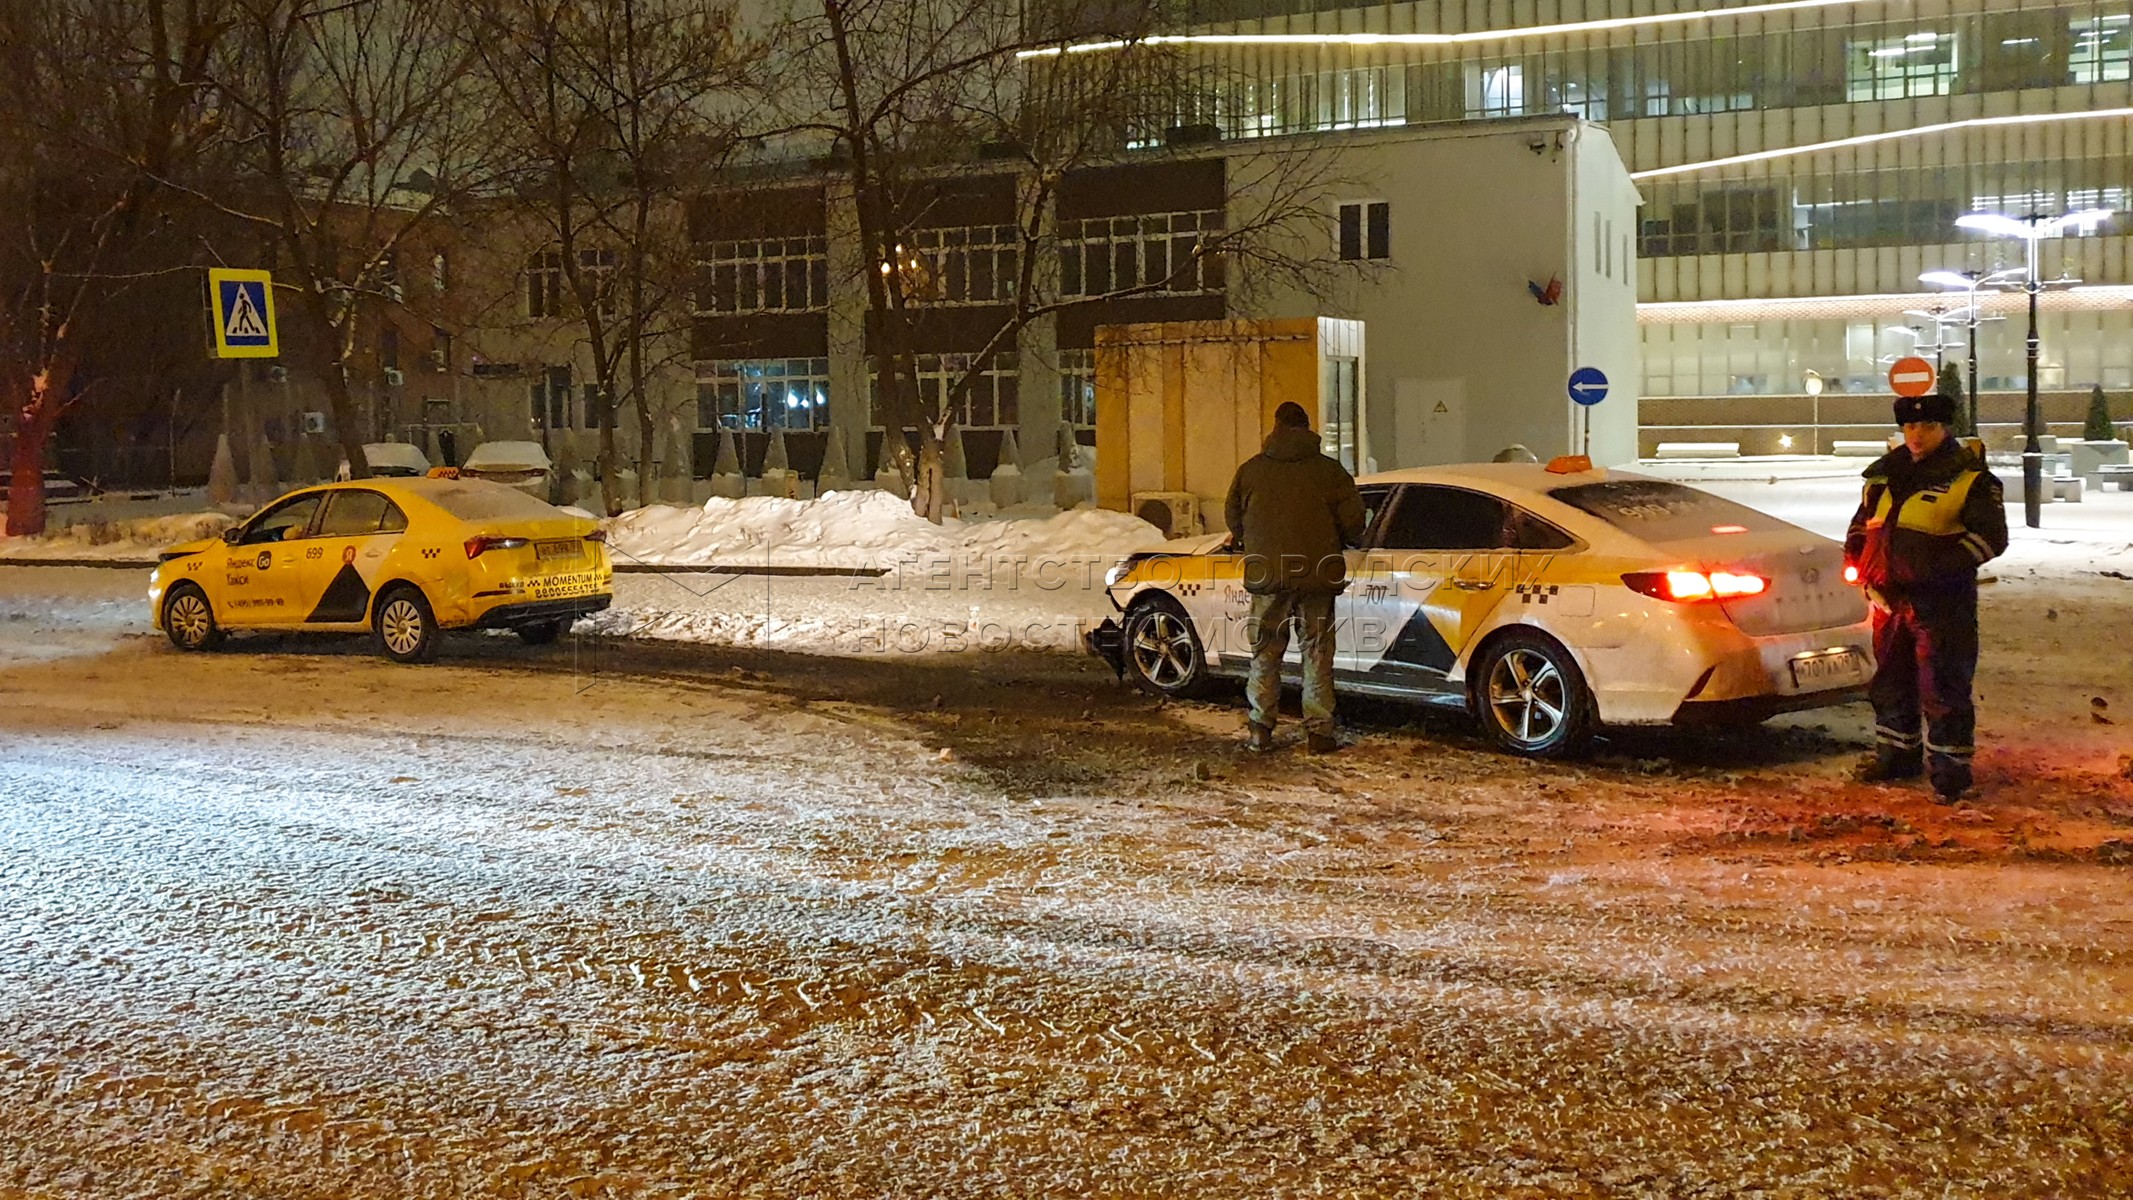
405,559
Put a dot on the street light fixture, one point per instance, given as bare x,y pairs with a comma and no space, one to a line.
2031,229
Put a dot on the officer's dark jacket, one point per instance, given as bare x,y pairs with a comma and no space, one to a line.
1924,525
1294,510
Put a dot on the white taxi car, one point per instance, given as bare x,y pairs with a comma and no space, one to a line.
1547,601
403,558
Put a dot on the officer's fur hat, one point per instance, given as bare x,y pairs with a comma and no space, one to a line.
1930,407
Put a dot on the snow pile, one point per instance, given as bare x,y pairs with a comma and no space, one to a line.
861,529
120,540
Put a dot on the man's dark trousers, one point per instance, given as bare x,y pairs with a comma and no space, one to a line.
1927,649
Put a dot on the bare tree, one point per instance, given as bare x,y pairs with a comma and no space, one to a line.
614,111
356,126
906,92
100,100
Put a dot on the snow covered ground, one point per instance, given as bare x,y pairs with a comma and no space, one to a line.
641,919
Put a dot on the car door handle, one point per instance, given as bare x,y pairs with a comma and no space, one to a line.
1473,585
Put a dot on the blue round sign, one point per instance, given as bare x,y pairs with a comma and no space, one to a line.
1588,385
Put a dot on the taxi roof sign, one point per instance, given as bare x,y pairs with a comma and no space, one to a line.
1569,464
240,304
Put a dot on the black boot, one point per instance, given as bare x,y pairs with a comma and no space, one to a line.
1260,739
1888,764
1951,778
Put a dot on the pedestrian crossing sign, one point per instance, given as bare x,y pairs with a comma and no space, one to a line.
241,305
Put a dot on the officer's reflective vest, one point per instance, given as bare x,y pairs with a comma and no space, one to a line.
1929,542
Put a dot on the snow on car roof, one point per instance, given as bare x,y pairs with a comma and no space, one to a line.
491,455
395,454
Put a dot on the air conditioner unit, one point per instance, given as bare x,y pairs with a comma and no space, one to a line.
393,377
314,422
1177,514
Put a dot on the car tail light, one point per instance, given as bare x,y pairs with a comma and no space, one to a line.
1683,587
483,543
1851,573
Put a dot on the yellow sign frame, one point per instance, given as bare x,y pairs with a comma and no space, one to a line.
222,299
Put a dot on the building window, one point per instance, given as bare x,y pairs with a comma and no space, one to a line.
763,393
545,284
440,349
1366,231
1077,387
1160,252
2103,49
551,397
992,402
592,402
1495,91
389,347
596,270
440,272
973,264
767,275
1893,68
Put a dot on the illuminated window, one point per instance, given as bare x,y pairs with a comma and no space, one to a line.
1496,91
766,275
2103,49
763,393
1158,252
1893,68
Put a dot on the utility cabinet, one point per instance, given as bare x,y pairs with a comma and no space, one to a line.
1179,404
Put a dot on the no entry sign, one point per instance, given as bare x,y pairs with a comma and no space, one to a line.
1911,376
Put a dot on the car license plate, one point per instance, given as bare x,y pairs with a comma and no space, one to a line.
1813,672
563,548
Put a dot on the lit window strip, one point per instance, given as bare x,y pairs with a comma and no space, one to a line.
1884,136
1431,39
2093,298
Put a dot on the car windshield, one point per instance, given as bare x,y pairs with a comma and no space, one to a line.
472,500
1658,511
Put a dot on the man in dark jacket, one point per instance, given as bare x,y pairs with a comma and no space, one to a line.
1291,512
1930,516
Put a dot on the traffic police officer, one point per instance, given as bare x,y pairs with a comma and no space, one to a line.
1930,515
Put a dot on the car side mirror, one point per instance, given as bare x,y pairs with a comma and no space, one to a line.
233,534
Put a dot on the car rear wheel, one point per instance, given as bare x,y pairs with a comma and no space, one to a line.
190,620
539,633
1163,653
407,630
1532,699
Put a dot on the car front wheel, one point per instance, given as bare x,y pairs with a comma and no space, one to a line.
190,620
407,630
1163,653
1532,699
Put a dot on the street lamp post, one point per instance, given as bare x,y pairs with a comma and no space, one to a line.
2031,229
1970,281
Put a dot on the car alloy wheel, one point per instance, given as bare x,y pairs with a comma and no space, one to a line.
406,630
1533,698
1163,651
189,621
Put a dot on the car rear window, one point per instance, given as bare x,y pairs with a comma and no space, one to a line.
472,500
1658,511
